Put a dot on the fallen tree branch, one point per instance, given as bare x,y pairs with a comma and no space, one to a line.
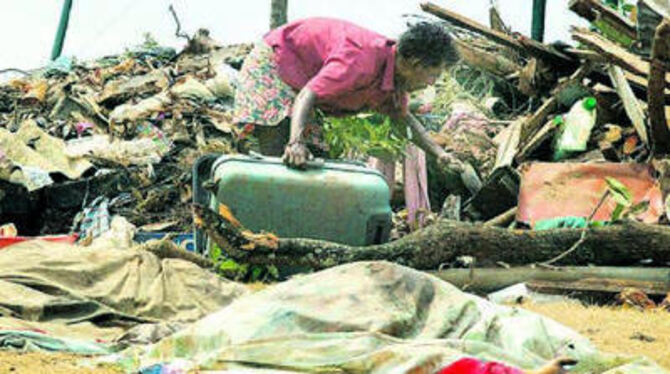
443,242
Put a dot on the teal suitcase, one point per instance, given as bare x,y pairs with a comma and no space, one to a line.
342,202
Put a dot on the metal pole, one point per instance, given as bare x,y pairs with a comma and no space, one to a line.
537,28
278,13
62,29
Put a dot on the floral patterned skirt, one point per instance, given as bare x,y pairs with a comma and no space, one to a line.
262,98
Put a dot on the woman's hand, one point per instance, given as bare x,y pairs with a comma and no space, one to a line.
296,155
556,366
450,162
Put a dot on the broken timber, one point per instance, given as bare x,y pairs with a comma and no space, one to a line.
614,53
532,47
630,103
595,10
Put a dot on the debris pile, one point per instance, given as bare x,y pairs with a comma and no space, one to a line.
601,102
126,127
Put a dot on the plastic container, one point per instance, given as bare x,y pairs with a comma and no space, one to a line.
576,128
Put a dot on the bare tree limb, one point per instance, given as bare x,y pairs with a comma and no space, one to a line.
178,33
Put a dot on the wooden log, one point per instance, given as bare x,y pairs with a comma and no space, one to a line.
444,241
492,279
532,47
594,10
630,103
660,55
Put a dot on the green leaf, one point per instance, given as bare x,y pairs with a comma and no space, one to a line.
616,213
639,208
256,273
619,191
273,271
229,265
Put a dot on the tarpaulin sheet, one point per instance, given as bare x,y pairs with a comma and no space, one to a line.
551,190
369,317
62,283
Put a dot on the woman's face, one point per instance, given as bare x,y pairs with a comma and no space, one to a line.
415,76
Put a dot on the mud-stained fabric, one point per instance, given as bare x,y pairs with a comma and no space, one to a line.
364,318
61,283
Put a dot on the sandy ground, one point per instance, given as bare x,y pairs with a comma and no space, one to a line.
615,329
612,329
43,363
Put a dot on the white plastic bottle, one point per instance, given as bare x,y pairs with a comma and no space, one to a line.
577,127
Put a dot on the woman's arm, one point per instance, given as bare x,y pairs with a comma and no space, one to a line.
421,138
296,153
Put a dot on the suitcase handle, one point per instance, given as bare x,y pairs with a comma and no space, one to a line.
317,163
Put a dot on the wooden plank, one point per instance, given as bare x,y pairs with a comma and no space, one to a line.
493,279
533,124
532,47
614,53
606,285
630,103
592,10
543,134
509,145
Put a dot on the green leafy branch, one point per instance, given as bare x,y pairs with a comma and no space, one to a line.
364,135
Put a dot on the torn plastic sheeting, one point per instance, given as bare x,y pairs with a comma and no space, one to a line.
192,88
29,155
35,341
141,110
141,151
550,190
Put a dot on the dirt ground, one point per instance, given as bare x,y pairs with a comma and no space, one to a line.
615,329
612,329
51,363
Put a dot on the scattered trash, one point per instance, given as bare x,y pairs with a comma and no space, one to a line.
184,240
635,298
642,337
576,128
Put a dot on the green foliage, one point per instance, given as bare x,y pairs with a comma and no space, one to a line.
149,41
624,208
364,134
231,269
622,6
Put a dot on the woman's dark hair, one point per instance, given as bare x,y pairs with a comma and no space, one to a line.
429,42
